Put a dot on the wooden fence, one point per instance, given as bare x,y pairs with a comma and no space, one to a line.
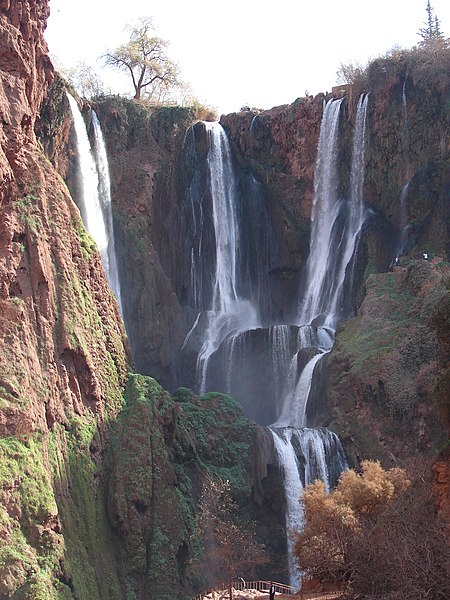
264,586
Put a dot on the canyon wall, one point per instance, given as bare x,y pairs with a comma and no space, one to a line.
101,468
407,193
63,359
90,465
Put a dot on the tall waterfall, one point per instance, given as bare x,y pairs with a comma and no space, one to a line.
335,232
406,229
229,313
104,192
95,200
265,363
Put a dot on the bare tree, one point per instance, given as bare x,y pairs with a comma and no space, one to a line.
144,58
227,544
84,79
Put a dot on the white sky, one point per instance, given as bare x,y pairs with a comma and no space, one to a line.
237,53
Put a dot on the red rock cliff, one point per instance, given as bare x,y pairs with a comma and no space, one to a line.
62,357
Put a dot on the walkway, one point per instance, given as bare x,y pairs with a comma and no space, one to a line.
259,590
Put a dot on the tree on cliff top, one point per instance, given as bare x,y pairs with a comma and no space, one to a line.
432,29
144,58
432,37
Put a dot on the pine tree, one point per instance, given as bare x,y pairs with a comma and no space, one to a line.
432,29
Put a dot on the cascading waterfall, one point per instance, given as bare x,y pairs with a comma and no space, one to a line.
335,233
272,361
229,314
95,200
305,455
406,228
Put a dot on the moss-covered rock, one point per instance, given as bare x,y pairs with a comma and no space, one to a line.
161,451
383,368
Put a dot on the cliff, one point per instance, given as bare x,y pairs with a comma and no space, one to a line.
63,360
101,469
382,373
91,473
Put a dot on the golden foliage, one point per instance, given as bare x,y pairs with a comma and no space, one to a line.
334,520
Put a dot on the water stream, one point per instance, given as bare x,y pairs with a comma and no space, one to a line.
267,364
94,200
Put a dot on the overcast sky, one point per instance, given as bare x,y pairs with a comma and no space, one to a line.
238,53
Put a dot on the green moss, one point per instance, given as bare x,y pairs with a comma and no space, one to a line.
183,394
160,449
31,551
27,207
88,246
88,334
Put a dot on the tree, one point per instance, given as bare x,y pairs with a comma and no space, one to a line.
227,545
377,533
85,80
432,29
350,73
333,521
144,58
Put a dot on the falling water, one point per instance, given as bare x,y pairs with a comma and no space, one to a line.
325,211
104,190
304,456
405,227
230,314
95,200
277,356
293,487
335,233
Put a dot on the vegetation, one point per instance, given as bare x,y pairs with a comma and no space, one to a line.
144,58
84,79
432,30
431,52
228,546
377,533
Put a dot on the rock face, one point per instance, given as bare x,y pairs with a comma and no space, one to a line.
77,471
381,374
161,450
63,361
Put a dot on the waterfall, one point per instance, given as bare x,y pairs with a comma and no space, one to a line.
335,233
229,314
321,264
305,455
95,199
406,228
266,364
104,191
293,486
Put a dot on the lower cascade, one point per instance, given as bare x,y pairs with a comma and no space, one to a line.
243,350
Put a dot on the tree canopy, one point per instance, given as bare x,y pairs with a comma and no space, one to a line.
432,29
144,58
377,533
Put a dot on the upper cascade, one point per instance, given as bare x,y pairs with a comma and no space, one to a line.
335,222
228,313
95,200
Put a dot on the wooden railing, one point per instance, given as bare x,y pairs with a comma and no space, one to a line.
263,586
